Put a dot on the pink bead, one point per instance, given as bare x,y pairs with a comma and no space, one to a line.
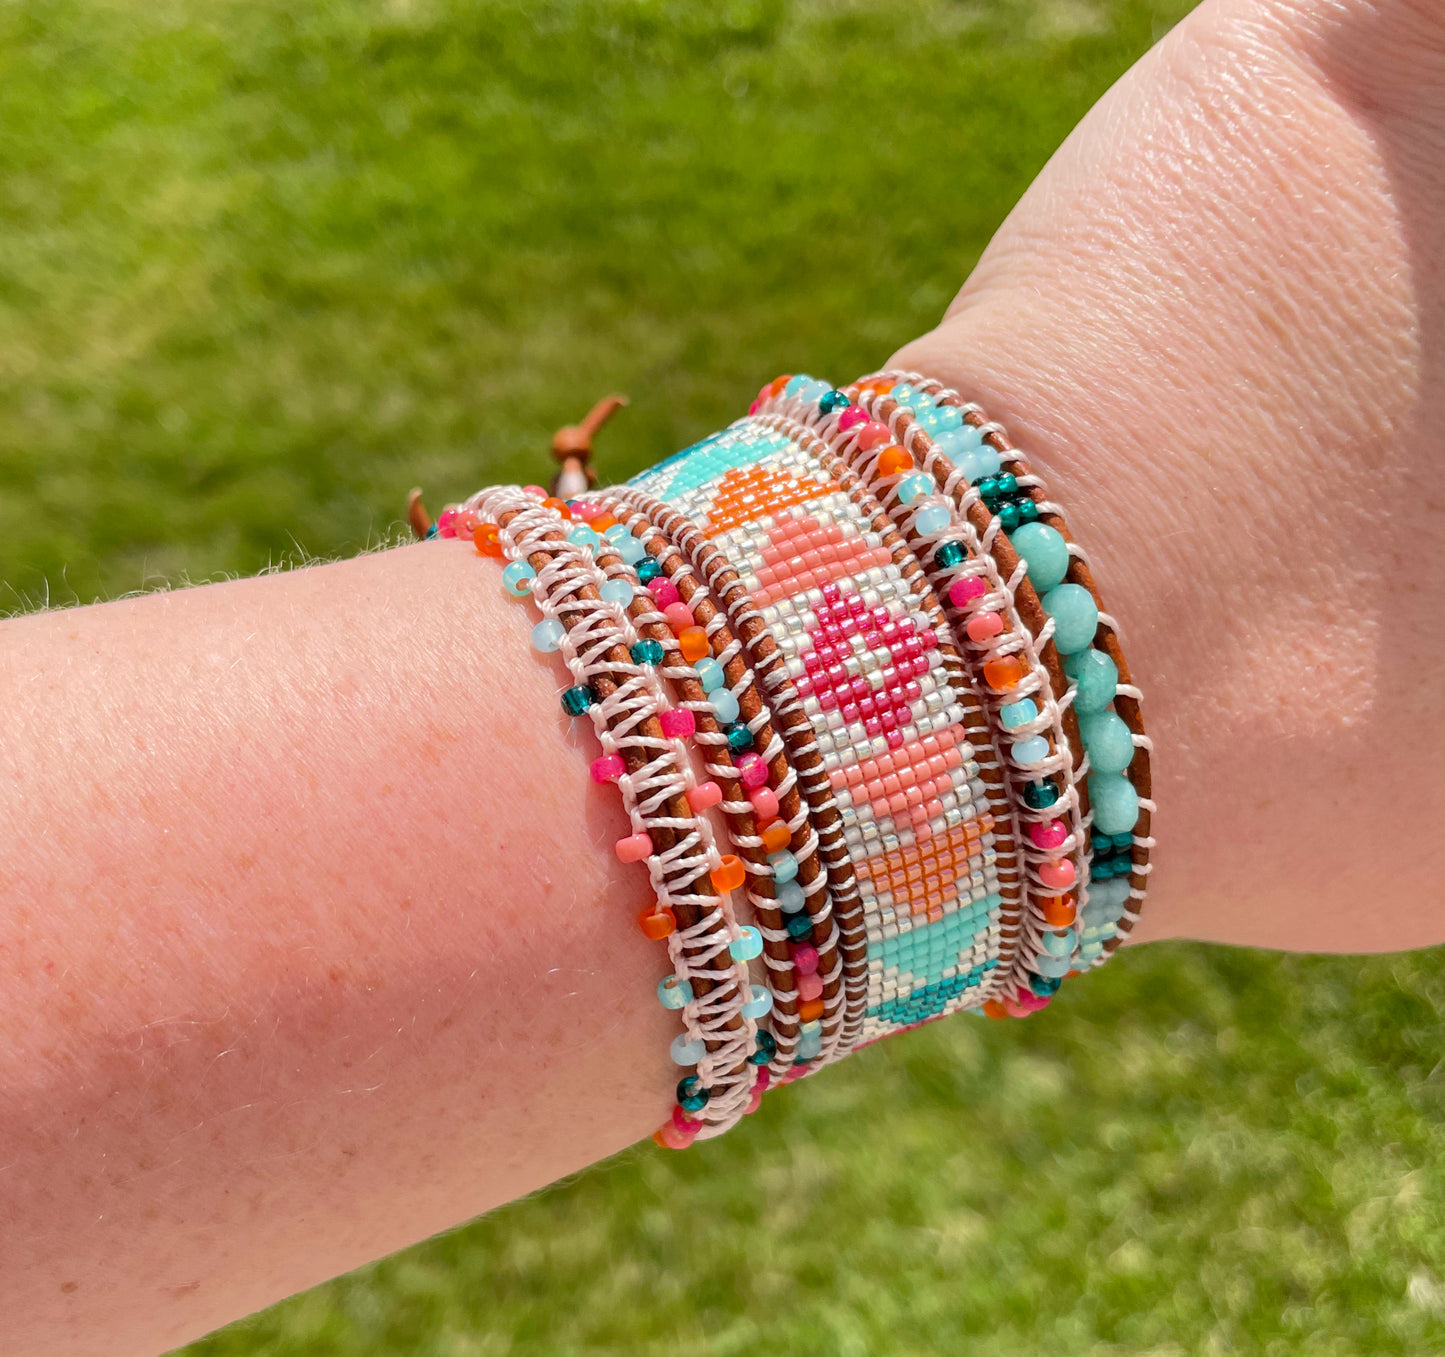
535,491
445,523
673,1138
608,768
755,406
1015,1009
805,958
689,1126
465,523
810,986
755,1101
1058,875
966,590
764,1078
873,435
705,794
678,723
984,626
1049,835
851,417
663,590
633,848
752,770
678,615
584,511
765,802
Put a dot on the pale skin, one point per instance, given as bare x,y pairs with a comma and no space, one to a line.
313,940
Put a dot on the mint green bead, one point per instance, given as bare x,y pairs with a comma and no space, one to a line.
617,591
517,578
725,705
1075,614
903,394
1107,738
1044,552
710,674
1115,803
1017,714
1096,677
914,487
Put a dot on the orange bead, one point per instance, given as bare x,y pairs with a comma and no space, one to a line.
810,1010
657,923
488,537
728,875
776,836
993,1009
1058,910
558,505
601,523
775,387
692,641
1003,673
892,461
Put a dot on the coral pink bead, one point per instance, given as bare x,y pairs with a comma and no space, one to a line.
851,418
634,848
966,590
584,511
678,723
1058,875
465,523
752,770
670,1138
608,768
1049,835
810,986
678,615
873,435
805,958
535,491
705,794
765,802
663,590
755,1100
1015,1009
689,1126
984,626
446,523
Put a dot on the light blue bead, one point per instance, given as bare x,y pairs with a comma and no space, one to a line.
945,419
1091,950
725,705
517,578
1075,614
1115,803
1106,902
674,993
759,1005
1018,713
930,519
1044,552
617,591
796,384
748,945
1028,752
1097,677
616,533
583,536
1107,738
1059,944
809,1047
547,634
784,865
914,487
685,1052
902,393
631,550
979,462
710,674
790,896
1053,967
813,390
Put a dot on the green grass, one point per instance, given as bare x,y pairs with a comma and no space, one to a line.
264,266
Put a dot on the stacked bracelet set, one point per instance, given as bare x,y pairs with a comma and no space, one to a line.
872,728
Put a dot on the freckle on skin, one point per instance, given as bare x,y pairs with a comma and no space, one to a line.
68,1287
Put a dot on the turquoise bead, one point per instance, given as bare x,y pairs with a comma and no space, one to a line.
616,533
1115,803
1107,738
1028,752
809,1046
1096,677
617,591
547,634
789,896
725,705
903,393
1044,552
747,945
630,549
1018,713
957,442
1059,944
1106,902
914,487
945,419
799,927
1075,614
759,1004
796,384
710,674
583,536
1053,967
517,578
685,1051
673,993
784,865
930,519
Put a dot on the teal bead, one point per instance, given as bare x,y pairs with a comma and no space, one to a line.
740,738
1040,795
725,705
1018,713
685,1051
673,993
1123,841
784,865
930,519
648,569
691,1096
1028,511
617,591
1009,516
799,926
948,555
747,945
630,549
647,652
1028,752
1115,803
759,1004
832,400
1075,614
1006,484
767,1049
583,536
576,700
1096,679
790,896
914,487
710,674
1044,988
615,533
1107,738
1045,553
517,578
1059,944
547,635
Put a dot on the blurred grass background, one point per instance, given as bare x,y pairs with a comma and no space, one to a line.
264,266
